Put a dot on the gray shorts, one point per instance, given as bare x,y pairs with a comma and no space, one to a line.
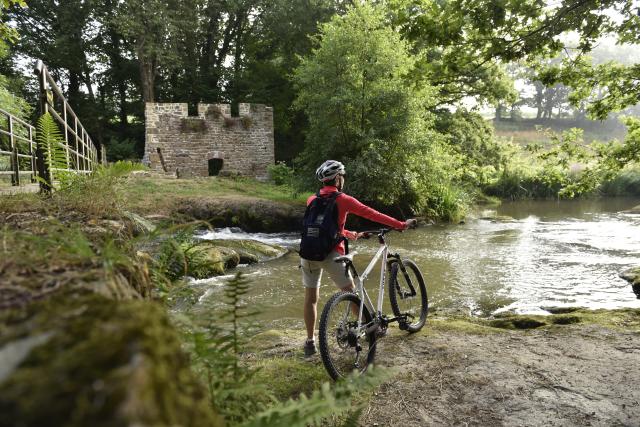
312,272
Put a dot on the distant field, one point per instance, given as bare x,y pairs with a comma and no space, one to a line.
526,131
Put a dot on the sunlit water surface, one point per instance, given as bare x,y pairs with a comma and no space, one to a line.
552,254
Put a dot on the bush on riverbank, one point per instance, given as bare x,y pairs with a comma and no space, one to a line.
626,183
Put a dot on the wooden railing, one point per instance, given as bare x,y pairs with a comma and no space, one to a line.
20,155
17,149
82,154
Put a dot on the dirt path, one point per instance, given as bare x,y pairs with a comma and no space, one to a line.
563,376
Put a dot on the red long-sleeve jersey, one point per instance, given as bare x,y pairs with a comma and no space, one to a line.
346,205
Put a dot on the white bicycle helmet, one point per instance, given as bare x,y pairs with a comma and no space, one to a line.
329,170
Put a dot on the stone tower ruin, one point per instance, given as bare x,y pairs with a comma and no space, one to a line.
211,143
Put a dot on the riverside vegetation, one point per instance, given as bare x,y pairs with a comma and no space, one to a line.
91,333
87,338
92,273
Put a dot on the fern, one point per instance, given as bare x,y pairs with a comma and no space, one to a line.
322,404
50,141
216,350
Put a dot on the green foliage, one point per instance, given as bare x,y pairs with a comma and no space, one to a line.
121,150
280,174
570,168
5,163
626,183
216,346
97,194
50,141
12,103
180,255
8,34
363,111
447,202
478,154
322,404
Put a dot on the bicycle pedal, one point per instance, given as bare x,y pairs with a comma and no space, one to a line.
403,326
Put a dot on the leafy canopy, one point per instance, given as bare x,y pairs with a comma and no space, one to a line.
362,107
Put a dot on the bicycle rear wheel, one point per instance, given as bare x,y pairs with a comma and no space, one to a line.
342,349
408,295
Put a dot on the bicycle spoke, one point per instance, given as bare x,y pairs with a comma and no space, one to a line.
344,345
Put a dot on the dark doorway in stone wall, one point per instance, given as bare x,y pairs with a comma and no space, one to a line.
215,165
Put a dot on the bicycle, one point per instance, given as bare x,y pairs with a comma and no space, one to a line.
349,322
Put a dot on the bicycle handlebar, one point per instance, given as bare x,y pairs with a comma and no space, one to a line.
382,231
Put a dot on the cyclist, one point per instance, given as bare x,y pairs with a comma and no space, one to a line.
332,175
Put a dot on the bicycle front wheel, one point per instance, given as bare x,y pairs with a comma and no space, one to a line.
408,295
343,348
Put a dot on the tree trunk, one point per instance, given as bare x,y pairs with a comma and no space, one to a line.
147,78
539,98
73,91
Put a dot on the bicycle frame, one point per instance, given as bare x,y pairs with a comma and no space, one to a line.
382,253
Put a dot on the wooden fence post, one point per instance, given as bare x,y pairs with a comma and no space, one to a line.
15,164
43,169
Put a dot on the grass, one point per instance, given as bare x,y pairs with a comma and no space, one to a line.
153,194
288,377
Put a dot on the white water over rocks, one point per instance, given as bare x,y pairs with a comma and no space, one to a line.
288,240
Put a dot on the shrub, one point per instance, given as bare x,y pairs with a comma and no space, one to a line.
447,202
281,174
626,183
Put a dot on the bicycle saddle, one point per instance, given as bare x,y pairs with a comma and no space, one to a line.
345,258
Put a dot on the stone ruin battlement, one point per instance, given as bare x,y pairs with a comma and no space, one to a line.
211,143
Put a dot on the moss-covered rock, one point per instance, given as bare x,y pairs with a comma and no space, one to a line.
208,259
633,276
517,322
251,249
103,363
252,215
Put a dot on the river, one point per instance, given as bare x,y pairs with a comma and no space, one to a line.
550,254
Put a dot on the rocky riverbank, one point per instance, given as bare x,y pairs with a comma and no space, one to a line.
573,368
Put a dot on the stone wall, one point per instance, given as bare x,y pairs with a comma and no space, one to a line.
179,143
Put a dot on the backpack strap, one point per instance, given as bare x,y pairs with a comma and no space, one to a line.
333,197
332,201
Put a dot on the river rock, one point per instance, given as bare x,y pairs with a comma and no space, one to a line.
252,249
633,210
498,218
633,276
209,259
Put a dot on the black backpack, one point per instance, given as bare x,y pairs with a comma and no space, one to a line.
320,228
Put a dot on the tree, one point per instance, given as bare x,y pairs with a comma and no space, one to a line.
157,30
9,99
282,34
363,109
